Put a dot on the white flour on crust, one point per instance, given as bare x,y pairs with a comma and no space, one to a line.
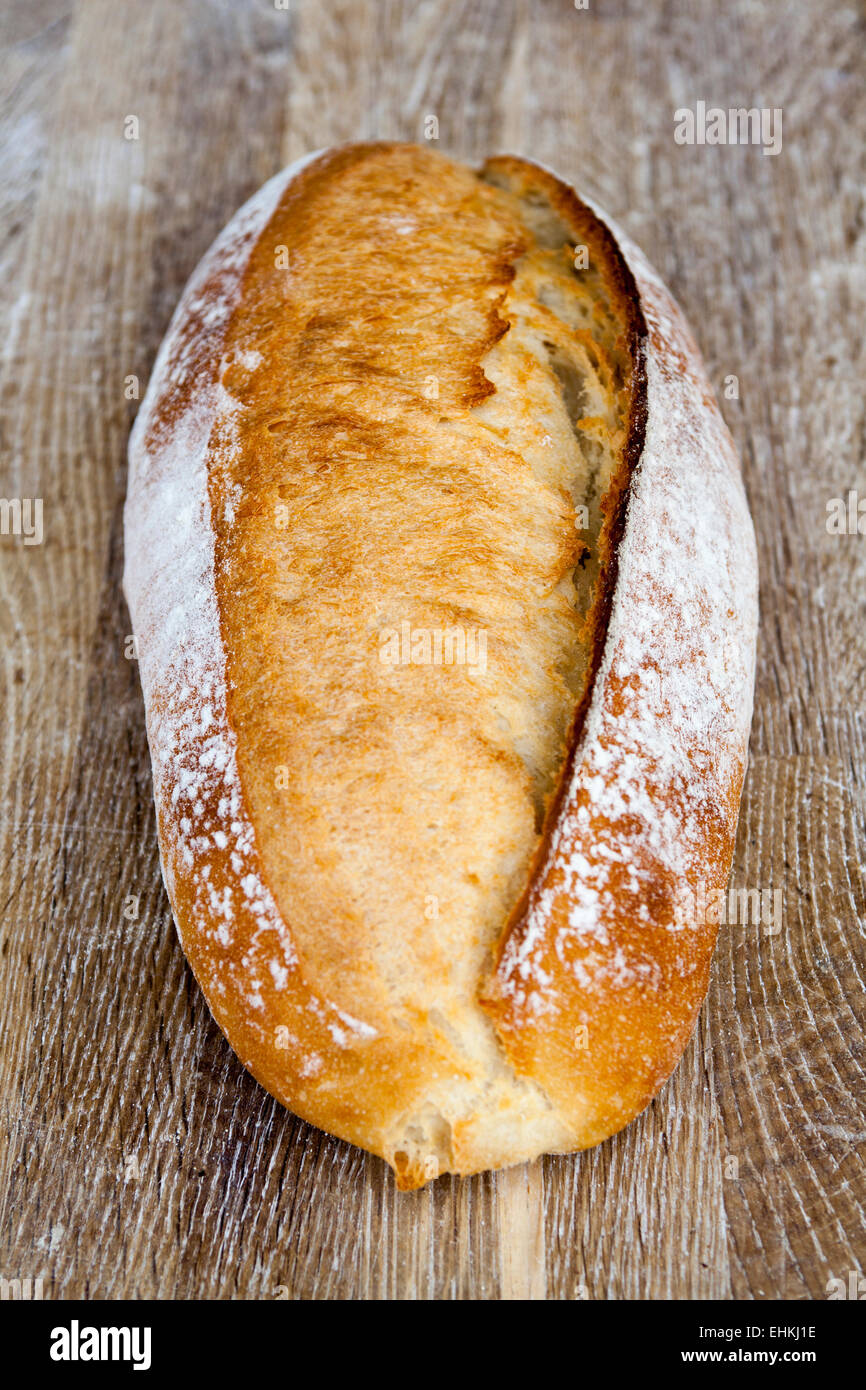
170,588
681,643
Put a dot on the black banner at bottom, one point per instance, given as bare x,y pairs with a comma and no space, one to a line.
84,1339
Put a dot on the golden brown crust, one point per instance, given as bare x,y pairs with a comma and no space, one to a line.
297,380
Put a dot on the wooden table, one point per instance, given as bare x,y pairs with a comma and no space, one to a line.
139,1159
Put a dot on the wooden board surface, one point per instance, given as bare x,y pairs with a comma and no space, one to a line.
138,1158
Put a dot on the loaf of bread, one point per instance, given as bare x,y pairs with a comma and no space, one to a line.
444,587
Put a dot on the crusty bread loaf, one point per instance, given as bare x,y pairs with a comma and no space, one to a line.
445,595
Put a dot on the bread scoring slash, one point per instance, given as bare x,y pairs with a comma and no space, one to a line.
439,905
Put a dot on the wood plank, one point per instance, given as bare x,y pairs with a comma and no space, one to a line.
139,1158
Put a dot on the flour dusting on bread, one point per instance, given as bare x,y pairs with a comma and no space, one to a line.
434,905
169,584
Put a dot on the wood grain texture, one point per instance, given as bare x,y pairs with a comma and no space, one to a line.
138,1158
